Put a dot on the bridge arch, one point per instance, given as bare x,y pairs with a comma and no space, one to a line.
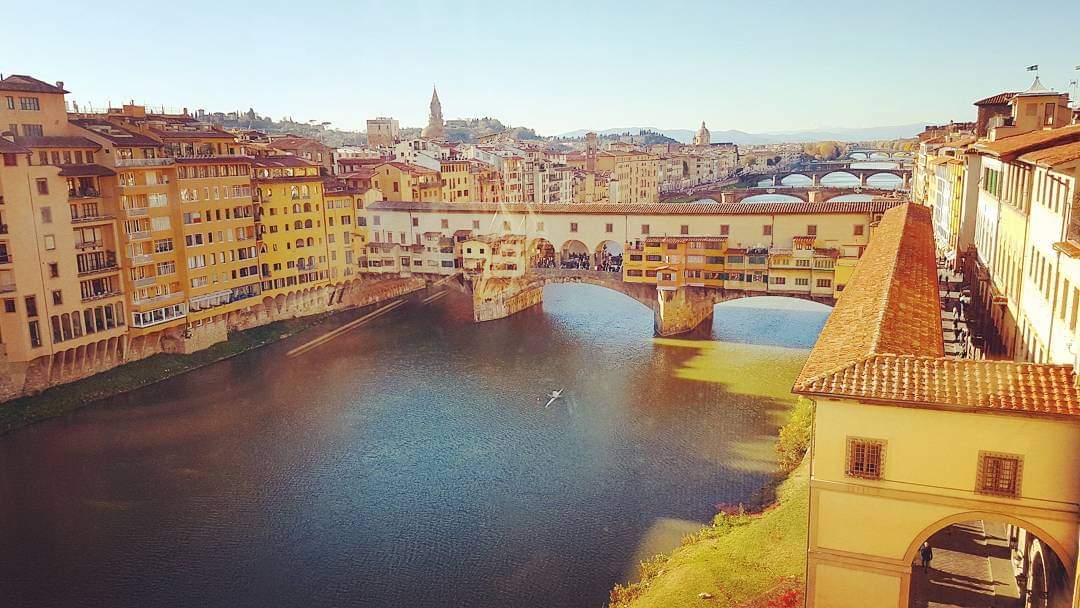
608,256
839,175
885,179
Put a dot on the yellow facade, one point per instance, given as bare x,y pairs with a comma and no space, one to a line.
289,224
404,182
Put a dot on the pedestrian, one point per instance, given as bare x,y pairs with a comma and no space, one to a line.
926,554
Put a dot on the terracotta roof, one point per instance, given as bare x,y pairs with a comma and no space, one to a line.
214,160
407,167
9,147
192,134
28,84
891,304
1003,386
284,160
116,135
1000,98
1011,147
699,208
883,341
1057,155
85,170
57,141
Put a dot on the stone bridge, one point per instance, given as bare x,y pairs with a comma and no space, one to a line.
809,195
867,154
675,310
817,173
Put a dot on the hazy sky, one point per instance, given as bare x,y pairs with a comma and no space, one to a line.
551,65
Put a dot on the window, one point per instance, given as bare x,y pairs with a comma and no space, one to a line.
57,297
42,185
50,242
803,282
35,334
811,230
54,270
865,458
999,474
31,306
9,305
444,223
415,221
859,229
725,229
33,131
573,226
644,229
766,230
609,227
46,215
10,103
27,103
824,282
684,229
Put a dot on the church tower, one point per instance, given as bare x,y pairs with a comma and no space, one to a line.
434,128
702,136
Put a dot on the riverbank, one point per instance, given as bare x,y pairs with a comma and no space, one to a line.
741,559
60,400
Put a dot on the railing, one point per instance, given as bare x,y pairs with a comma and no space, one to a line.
138,236
99,269
144,162
144,282
88,245
86,219
84,193
140,258
5,259
101,296
137,211
155,299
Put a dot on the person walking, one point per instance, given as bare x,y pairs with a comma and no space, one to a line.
926,554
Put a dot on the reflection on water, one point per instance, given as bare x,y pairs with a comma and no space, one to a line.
407,462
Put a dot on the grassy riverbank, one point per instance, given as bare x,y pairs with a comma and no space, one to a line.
741,558
65,398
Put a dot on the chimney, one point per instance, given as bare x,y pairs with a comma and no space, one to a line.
59,84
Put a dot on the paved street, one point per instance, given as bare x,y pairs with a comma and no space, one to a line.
970,570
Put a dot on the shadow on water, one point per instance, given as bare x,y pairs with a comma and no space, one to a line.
407,461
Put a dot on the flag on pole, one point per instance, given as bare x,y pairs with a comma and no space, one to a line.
1034,68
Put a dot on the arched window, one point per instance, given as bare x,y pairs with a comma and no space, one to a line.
307,206
299,242
305,191
298,224
296,208
307,224
294,192
310,241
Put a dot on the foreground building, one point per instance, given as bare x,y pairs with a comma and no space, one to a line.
907,442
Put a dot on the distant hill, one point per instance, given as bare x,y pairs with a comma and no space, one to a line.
743,138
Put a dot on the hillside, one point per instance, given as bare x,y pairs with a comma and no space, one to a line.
743,138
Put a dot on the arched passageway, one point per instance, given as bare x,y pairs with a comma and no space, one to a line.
574,254
608,256
988,562
541,254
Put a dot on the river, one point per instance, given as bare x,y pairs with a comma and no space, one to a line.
405,463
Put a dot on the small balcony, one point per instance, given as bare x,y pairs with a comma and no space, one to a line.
144,282
87,192
91,219
142,235
101,295
88,245
137,211
144,162
158,299
141,258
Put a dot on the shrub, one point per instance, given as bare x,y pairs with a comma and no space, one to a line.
795,435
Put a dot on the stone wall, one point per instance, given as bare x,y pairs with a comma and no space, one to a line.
19,379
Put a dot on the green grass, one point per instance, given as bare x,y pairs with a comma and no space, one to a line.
65,398
738,559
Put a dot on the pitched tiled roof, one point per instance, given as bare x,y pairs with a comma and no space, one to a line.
284,160
699,208
116,135
883,341
9,147
1057,155
28,84
85,170
1000,98
1011,147
57,141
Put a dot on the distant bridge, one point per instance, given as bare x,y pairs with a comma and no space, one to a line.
868,154
817,172
809,195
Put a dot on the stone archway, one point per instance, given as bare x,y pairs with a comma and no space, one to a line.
608,256
542,253
982,559
574,254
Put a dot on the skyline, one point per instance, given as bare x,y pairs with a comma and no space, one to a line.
350,63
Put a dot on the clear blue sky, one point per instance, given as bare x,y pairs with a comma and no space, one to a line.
552,65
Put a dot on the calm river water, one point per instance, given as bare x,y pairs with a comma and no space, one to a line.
406,463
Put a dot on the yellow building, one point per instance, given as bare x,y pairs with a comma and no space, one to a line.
400,181
289,224
908,444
